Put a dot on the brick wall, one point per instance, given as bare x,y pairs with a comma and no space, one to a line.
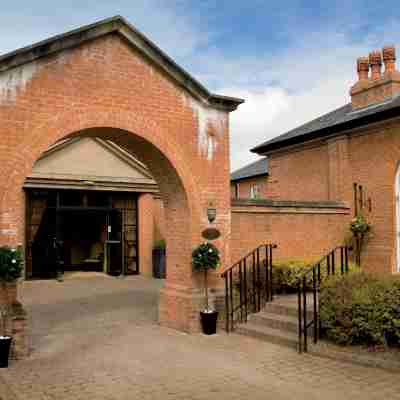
374,159
299,175
300,232
159,220
145,233
370,157
105,88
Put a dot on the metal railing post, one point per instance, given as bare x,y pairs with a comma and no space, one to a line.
253,270
305,312
259,284
270,273
241,291
299,314
245,291
226,304
315,323
245,288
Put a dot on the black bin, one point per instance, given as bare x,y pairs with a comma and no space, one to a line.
159,263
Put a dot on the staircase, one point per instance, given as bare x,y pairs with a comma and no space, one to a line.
277,322
253,309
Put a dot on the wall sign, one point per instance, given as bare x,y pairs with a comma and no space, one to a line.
211,233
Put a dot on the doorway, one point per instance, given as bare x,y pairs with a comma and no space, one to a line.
79,231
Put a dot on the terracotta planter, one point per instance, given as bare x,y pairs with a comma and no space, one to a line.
8,292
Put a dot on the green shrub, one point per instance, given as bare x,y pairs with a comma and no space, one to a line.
10,263
361,309
159,244
286,273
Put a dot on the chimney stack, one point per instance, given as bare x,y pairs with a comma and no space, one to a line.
377,87
389,58
375,61
363,68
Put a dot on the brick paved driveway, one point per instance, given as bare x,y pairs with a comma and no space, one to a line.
97,338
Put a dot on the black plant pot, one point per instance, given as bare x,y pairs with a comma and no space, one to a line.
209,322
5,345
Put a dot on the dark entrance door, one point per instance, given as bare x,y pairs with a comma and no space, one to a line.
44,250
122,250
114,243
66,230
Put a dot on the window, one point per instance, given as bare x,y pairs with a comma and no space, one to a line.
254,191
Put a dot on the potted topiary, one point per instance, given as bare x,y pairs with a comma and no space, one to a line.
10,271
205,257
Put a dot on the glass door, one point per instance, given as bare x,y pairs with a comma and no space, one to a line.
114,243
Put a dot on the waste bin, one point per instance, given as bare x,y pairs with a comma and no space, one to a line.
159,263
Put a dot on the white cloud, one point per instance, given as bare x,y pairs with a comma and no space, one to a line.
298,84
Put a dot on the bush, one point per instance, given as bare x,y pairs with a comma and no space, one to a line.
361,309
10,263
159,244
286,273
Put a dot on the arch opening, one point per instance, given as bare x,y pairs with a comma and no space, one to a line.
176,191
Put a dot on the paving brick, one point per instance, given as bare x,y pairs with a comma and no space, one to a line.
98,338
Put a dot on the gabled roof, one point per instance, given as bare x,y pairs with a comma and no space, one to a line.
136,39
257,168
341,119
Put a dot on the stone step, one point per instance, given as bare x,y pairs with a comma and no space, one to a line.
291,310
268,334
276,321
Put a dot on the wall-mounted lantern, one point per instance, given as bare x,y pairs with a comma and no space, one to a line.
211,214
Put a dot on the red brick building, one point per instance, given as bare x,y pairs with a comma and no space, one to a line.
358,143
108,81
250,181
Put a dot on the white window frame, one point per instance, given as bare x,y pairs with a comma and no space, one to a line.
254,191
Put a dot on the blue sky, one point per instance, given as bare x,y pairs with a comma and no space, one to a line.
290,60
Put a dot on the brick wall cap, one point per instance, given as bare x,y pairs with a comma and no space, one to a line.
136,39
287,203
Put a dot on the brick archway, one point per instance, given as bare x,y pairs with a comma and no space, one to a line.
166,161
108,80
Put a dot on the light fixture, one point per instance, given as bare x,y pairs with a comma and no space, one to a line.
211,214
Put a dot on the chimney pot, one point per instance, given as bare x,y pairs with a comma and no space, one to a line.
389,58
362,68
375,61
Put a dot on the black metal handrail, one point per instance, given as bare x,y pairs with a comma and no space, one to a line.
310,281
248,285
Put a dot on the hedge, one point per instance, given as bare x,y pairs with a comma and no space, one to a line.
286,273
361,309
